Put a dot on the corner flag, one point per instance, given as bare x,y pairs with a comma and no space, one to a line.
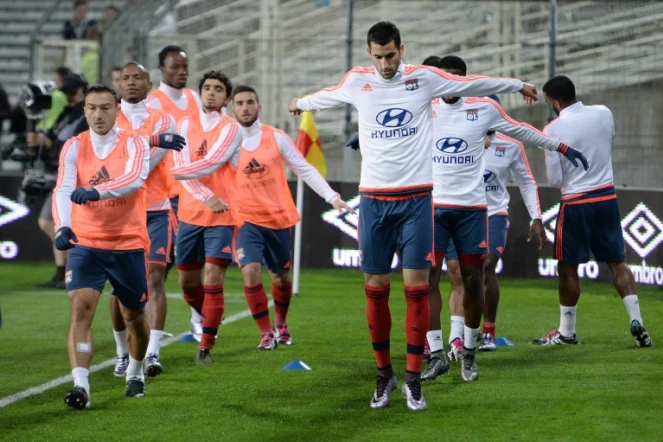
308,143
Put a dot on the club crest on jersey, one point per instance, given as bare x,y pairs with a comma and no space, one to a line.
500,151
412,85
472,114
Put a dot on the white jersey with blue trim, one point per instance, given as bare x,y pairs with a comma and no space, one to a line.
507,156
589,129
459,133
395,120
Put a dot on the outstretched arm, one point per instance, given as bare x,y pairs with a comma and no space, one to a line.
444,84
328,97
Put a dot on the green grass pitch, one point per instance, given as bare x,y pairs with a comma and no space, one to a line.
603,389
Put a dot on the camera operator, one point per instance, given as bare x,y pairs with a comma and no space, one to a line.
70,123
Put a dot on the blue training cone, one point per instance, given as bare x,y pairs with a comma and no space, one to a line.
296,365
503,342
187,338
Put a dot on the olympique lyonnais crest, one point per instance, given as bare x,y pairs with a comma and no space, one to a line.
500,151
412,85
473,114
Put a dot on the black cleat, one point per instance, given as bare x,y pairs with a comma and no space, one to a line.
135,387
77,398
642,338
203,357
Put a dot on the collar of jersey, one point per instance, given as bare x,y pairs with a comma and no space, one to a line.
130,108
101,140
571,108
170,91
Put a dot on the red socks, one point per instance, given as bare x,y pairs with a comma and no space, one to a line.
196,298
379,323
489,327
281,296
213,308
416,325
256,298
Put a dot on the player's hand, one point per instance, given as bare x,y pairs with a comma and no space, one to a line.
167,140
354,142
341,205
216,205
64,238
85,194
537,229
572,155
293,109
529,93
486,143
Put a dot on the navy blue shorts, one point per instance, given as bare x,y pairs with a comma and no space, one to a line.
160,231
589,223
466,228
89,268
451,255
389,226
196,245
267,246
497,227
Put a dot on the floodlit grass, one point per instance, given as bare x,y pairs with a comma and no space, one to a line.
603,389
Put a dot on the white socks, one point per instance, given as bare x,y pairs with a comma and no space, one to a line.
155,342
457,324
632,308
434,338
567,321
135,369
121,342
195,316
471,337
81,378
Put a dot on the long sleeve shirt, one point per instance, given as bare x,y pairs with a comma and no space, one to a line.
395,120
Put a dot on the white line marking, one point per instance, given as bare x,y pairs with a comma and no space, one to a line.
8,400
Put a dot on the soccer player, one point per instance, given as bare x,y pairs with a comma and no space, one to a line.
136,116
206,223
175,99
460,126
395,130
116,75
588,217
102,172
265,206
504,156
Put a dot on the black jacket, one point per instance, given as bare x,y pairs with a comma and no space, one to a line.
70,123
69,30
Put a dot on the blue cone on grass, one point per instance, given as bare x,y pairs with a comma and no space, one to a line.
296,365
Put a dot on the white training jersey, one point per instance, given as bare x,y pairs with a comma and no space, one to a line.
507,156
589,129
395,120
459,133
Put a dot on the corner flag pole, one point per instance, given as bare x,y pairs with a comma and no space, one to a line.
297,262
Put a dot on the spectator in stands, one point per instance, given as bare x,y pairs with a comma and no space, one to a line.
90,58
58,101
110,14
70,123
76,28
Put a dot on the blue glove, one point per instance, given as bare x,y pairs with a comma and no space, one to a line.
354,142
64,237
572,155
168,140
84,194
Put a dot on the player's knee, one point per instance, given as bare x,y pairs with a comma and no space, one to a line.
189,281
252,274
473,280
133,318
155,280
280,279
453,270
81,310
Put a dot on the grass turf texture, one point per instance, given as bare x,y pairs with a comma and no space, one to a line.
605,388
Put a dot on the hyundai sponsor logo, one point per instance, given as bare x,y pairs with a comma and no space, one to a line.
394,117
451,145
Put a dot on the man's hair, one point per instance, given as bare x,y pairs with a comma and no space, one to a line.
216,75
78,3
167,50
447,62
561,88
382,33
100,88
138,65
245,88
117,68
63,71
